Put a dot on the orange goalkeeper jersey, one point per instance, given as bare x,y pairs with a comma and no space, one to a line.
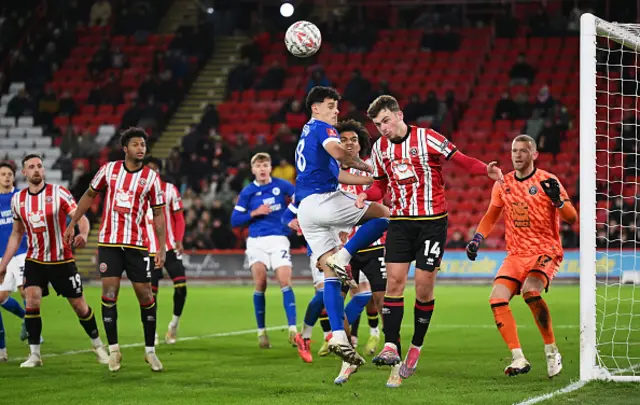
532,222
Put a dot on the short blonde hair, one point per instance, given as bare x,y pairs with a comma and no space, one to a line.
260,157
527,138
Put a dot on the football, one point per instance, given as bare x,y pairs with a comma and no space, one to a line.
303,39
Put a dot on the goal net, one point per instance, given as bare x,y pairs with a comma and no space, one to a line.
609,192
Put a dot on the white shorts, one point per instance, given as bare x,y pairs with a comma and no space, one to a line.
318,276
14,277
322,216
272,251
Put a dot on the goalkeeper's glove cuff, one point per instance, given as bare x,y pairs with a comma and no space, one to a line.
478,238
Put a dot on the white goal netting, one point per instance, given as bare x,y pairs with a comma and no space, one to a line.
617,141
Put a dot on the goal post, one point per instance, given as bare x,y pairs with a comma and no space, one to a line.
609,200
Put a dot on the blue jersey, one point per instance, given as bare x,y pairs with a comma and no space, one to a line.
317,169
254,195
6,223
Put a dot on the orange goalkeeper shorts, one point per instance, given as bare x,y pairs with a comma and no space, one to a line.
518,268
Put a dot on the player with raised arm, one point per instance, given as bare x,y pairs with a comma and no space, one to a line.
128,188
175,225
41,211
407,165
324,209
13,280
533,201
260,205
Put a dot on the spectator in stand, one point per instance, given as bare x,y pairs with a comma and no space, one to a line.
534,125
357,90
95,96
318,78
167,88
100,13
241,152
132,115
549,138
285,171
148,88
112,92
210,119
506,108
20,105
241,77
457,241
221,236
87,146
568,236
118,59
273,78
101,60
67,105
544,102
296,118
69,144
48,107
522,72
173,167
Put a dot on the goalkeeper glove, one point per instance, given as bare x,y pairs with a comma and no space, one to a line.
473,246
551,188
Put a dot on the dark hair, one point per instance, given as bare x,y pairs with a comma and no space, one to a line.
363,135
383,102
132,132
9,166
156,161
319,93
29,157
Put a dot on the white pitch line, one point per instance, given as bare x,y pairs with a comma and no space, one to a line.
210,336
569,388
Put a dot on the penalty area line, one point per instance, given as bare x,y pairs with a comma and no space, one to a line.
184,339
569,388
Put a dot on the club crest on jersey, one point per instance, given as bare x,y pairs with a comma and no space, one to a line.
142,182
507,190
533,190
103,267
332,132
48,200
275,191
413,151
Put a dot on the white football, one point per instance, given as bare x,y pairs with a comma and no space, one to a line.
303,39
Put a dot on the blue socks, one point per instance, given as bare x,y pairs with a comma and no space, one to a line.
289,302
368,233
259,307
334,303
3,344
14,307
355,307
314,308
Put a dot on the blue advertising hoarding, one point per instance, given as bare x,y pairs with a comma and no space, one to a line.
456,265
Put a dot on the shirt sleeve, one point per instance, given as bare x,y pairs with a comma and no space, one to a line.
243,201
176,201
496,195
327,134
99,180
67,202
438,144
156,196
15,207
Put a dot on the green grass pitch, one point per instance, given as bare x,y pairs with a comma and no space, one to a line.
220,362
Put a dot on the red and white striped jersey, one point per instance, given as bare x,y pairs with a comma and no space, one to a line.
127,195
173,204
44,216
414,171
357,190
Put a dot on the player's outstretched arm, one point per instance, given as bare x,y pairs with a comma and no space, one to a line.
17,232
477,167
339,153
289,218
178,219
83,206
344,177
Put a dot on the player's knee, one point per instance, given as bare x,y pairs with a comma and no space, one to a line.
180,290
79,306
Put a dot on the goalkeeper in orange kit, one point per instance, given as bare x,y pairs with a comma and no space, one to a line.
532,201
